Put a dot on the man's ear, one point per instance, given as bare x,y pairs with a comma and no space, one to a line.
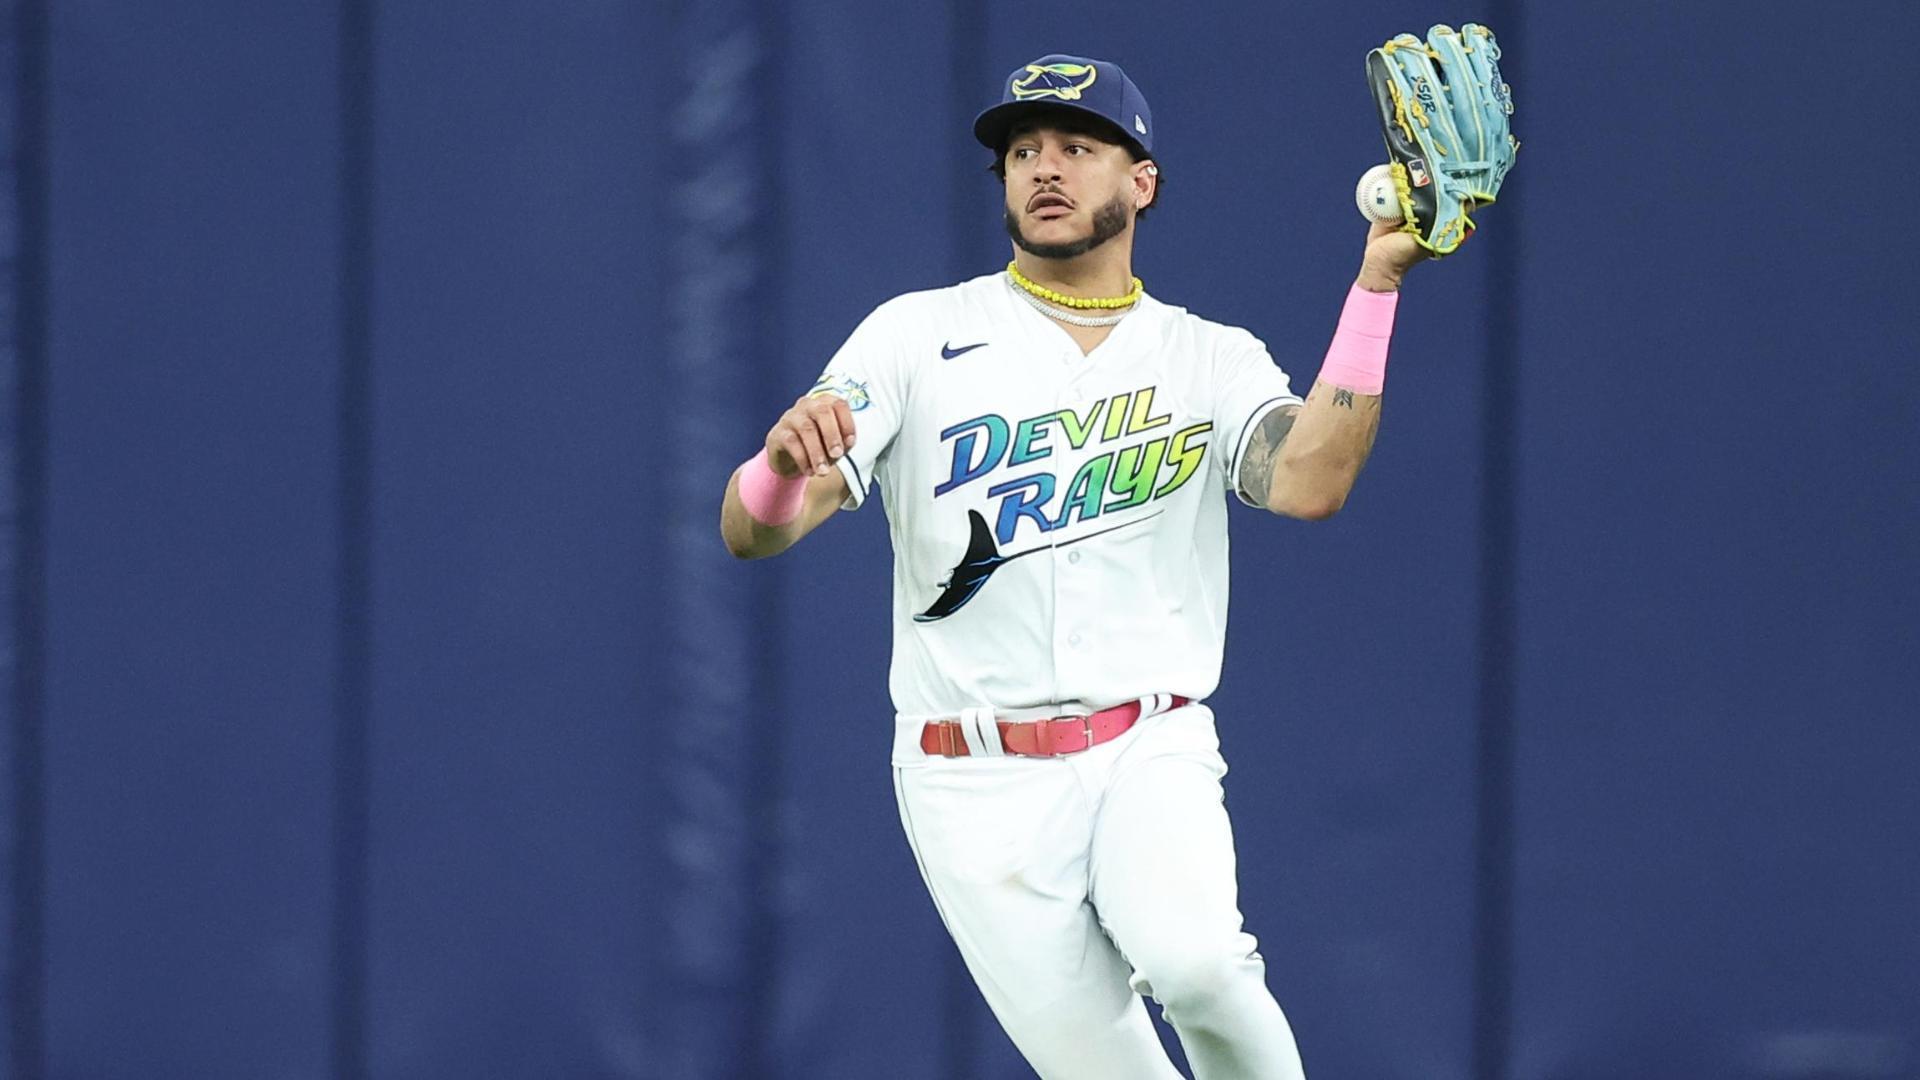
1146,188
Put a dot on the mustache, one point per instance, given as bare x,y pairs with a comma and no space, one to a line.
1108,222
1052,192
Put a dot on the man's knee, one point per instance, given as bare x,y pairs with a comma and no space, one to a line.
1193,974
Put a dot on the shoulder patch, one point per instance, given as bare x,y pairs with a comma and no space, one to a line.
834,384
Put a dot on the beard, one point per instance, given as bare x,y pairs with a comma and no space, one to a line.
1108,222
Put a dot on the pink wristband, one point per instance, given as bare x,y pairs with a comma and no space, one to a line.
770,499
1357,359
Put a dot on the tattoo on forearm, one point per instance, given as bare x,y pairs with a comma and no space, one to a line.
1365,406
1263,452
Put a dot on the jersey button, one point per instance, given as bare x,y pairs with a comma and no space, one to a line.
1073,556
1073,639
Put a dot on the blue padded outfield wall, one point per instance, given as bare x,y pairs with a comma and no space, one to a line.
380,702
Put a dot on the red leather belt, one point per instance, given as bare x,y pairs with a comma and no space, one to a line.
1041,738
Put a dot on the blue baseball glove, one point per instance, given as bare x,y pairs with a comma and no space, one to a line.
1444,112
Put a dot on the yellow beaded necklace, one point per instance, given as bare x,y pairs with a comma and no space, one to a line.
1109,303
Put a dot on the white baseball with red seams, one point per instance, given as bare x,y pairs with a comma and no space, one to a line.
1376,197
1059,526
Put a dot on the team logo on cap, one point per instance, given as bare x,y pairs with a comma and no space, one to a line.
1063,81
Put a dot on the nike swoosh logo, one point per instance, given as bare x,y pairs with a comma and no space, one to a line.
948,352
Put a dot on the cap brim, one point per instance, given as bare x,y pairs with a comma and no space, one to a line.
991,127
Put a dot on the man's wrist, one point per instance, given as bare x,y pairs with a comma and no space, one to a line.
1374,279
768,497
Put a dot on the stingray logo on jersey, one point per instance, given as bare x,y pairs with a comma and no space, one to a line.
1122,478
844,388
1063,81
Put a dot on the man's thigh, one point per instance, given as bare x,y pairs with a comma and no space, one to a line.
1163,869
1003,848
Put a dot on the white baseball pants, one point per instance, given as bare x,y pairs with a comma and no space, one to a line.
1072,885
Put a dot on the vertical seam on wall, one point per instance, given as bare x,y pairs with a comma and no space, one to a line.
717,759
26,921
960,1003
1493,796
352,688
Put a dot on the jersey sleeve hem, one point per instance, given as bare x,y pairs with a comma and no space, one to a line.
856,483
1260,412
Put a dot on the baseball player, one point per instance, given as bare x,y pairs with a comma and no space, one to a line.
1055,448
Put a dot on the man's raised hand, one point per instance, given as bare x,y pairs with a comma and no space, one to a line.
811,436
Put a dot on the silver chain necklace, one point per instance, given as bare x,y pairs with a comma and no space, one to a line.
1068,317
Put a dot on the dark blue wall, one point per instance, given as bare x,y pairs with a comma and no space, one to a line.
189,540
1580,745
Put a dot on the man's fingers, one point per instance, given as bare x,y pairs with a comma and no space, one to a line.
816,432
816,462
790,445
825,414
830,436
844,415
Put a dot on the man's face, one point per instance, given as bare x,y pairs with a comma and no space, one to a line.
1067,192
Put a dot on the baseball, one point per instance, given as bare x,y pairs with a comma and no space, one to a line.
1375,195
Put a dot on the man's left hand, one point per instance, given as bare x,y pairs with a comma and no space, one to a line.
1391,252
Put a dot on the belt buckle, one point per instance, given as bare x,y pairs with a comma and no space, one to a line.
1052,748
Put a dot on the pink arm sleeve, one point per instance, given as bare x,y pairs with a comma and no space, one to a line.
770,499
1357,359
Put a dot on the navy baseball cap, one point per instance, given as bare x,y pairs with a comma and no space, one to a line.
1098,87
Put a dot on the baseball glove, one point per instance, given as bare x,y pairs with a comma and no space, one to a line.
1443,110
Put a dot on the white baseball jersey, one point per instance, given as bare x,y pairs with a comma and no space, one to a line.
1059,520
